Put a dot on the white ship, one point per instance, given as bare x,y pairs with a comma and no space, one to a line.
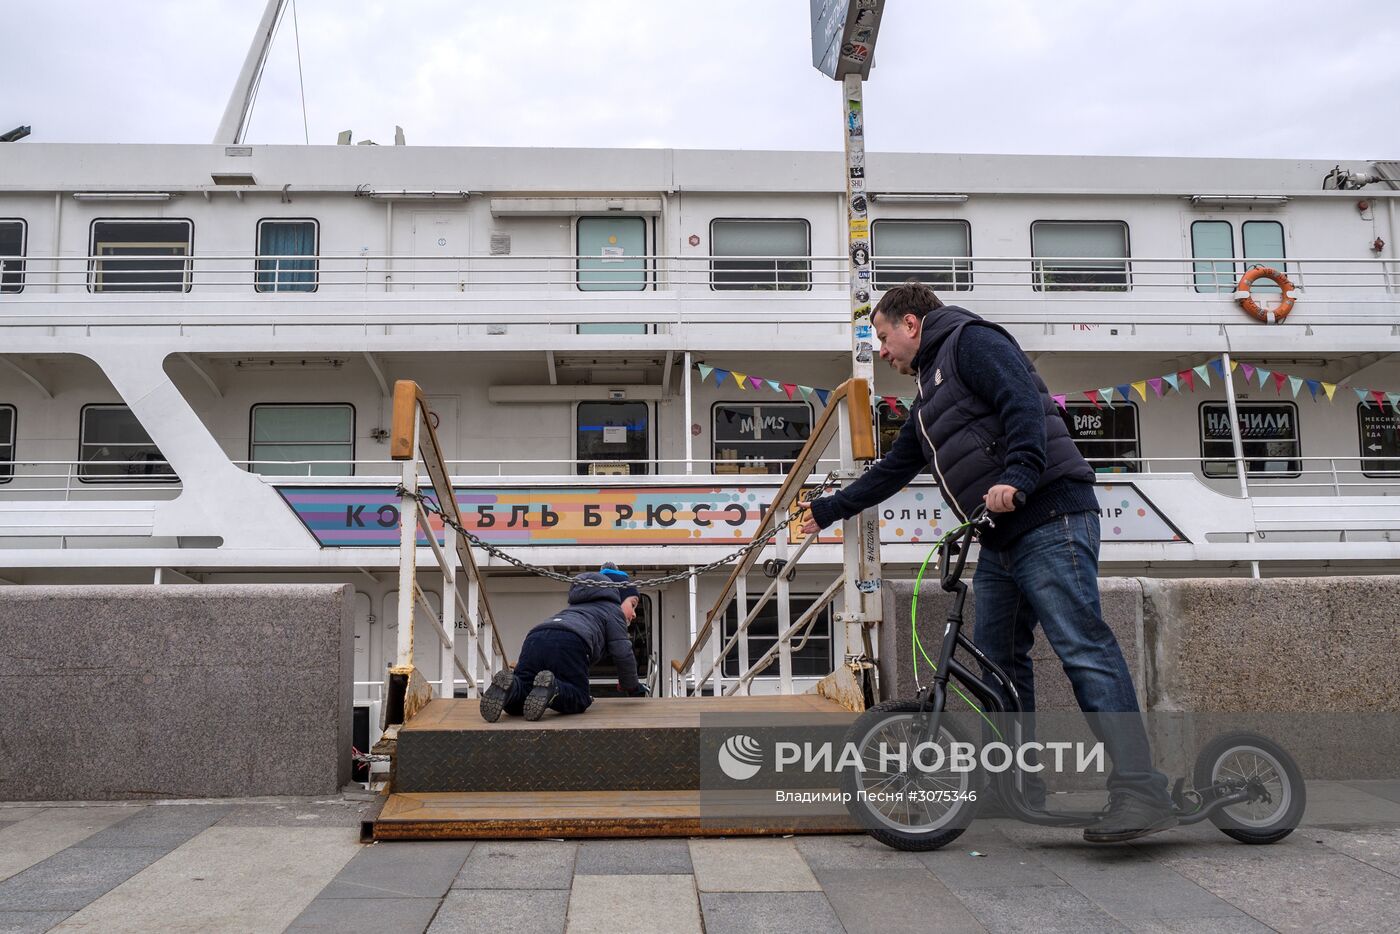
625,350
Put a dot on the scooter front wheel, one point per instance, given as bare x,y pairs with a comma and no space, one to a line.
1249,759
906,798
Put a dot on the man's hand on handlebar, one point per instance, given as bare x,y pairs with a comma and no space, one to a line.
1004,498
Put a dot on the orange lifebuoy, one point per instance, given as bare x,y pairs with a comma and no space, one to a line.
1247,302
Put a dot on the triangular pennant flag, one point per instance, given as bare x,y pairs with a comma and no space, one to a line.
1123,391
1313,387
1263,375
822,395
1106,394
774,385
705,371
907,401
720,376
1279,380
1234,365
891,402
1172,380
1093,396
1248,372
1361,394
1329,388
1297,384
1394,398
1189,377
1140,387
1203,373
1156,385
1060,400
755,382
806,391
1380,399
1218,367
789,388
741,379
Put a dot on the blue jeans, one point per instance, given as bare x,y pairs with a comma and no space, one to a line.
1049,576
565,655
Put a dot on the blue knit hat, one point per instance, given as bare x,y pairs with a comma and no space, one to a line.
611,572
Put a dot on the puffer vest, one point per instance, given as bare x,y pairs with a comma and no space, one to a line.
963,437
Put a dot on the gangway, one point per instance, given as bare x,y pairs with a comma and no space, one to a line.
629,766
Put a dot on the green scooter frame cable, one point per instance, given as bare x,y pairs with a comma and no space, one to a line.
917,645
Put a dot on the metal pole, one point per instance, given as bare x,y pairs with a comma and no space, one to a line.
408,550
689,420
448,667
1232,410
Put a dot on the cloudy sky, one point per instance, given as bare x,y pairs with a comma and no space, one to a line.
1131,77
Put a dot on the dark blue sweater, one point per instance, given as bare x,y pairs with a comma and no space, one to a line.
995,369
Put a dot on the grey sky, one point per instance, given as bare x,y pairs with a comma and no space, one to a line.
1189,77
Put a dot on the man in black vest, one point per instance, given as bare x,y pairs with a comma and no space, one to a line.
985,425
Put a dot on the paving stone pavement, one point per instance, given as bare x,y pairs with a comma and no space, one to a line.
294,864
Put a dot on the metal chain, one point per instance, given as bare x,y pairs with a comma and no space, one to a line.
429,506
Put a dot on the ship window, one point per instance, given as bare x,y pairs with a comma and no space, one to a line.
1380,440
612,256
760,249
1080,256
930,251
303,440
279,243
12,255
7,443
813,660
759,439
1263,246
114,448
1213,248
613,438
1268,435
1106,436
602,674
146,242
888,421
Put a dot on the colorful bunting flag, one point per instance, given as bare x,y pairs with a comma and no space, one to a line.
789,388
1313,387
1279,380
1106,394
705,371
1219,368
1123,392
1380,399
720,376
1361,394
1156,385
1203,373
741,379
822,395
1248,371
1060,400
1234,365
1189,377
1329,388
1394,398
1093,396
1140,387
1296,383
1263,375
774,385
1172,380
806,391
891,402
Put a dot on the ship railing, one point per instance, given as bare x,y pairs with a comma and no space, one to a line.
338,273
571,469
414,441
701,670
88,479
1294,474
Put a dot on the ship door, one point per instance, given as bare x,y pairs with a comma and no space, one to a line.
646,646
440,251
364,634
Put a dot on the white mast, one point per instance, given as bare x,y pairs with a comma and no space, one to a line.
236,113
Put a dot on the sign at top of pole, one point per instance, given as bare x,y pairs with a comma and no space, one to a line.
843,36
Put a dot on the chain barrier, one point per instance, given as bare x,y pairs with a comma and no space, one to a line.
432,507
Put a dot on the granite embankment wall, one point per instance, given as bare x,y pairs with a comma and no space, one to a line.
1313,662
174,691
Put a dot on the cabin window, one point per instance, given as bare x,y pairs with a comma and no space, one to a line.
1080,256
7,443
813,660
1380,440
1263,246
113,447
12,255
281,243
762,252
146,243
888,422
614,438
931,251
612,255
1268,435
302,440
1106,436
1213,249
759,439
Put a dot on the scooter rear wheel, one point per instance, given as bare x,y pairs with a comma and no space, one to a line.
907,808
1251,757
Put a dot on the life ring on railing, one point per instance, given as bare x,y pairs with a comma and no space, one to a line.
1247,302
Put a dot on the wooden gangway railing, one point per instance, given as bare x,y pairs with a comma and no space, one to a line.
415,440
847,415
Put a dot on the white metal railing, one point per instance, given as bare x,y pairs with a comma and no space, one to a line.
413,437
845,416
343,273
